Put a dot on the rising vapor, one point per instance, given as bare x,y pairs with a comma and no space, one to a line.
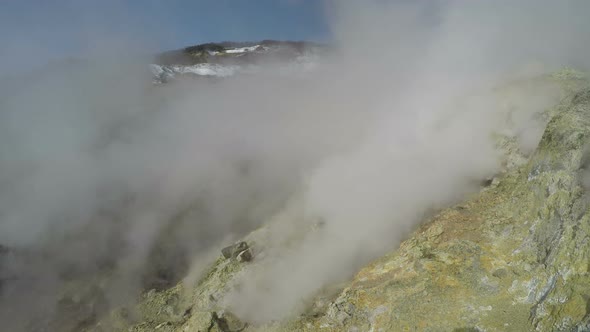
107,180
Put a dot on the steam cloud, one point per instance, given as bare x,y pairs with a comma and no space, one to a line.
101,172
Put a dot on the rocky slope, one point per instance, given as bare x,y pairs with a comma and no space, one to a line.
513,257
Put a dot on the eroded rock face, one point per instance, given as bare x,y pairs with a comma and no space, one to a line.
514,257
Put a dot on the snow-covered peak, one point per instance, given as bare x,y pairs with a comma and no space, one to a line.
229,59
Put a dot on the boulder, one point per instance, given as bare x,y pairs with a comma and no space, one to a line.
235,249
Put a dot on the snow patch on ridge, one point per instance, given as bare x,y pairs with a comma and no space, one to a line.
242,49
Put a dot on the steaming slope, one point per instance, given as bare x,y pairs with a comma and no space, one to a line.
512,258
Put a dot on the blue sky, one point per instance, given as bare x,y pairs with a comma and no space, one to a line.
59,28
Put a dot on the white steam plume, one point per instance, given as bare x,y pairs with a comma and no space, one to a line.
98,169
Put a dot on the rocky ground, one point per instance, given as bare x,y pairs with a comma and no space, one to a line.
513,257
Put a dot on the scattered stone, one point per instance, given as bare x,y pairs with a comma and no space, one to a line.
162,325
228,322
487,182
245,256
500,273
234,250
200,321
581,97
